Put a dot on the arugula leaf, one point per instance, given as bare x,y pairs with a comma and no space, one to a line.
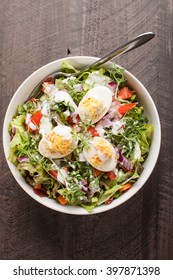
76,94
117,74
61,107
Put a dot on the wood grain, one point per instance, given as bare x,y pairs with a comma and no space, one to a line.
34,33
165,178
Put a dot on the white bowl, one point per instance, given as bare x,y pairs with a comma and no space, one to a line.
144,98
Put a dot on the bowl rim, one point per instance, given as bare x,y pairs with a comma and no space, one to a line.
76,210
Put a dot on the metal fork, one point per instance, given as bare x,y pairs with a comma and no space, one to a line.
126,47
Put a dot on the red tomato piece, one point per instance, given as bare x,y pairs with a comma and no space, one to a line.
126,107
70,120
54,173
74,120
93,131
62,200
125,93
97,172
38,187
35,119
49,80
109,200
111,175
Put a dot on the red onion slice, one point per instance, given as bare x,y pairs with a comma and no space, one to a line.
113,85
13,130
125,162
23,159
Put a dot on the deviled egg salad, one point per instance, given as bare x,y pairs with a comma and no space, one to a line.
84,141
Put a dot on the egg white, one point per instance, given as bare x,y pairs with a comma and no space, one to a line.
107,163
102,96
45,145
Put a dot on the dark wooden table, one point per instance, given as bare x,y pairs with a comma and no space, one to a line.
34,33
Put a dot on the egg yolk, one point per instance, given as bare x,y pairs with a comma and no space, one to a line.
96,160
93,106
103,148
58,143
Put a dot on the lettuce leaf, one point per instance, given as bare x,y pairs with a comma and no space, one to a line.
145,137
108,194
18,123
89,206
20,139
67,68
37,172
14,144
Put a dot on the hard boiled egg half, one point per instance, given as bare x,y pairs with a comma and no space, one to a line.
58,143
95,104
101,154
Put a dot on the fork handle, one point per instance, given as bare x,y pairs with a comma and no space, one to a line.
130,45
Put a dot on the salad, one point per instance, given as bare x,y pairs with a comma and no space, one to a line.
83,142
